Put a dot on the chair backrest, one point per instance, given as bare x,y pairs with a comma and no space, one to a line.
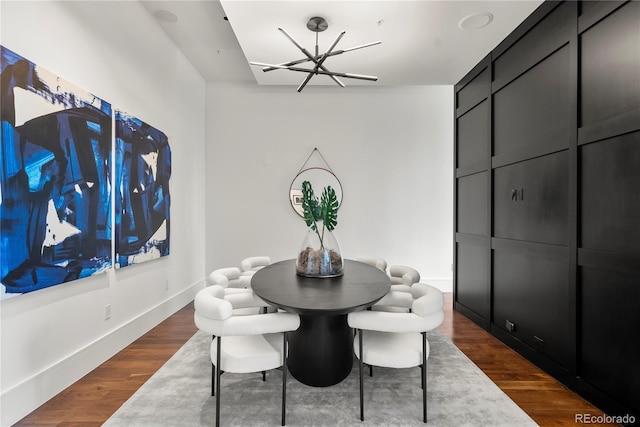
228,277
428,302
376,262
211,309
254,263
403,275
396,301
427,311
214,314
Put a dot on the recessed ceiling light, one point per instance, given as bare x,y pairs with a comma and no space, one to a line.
165,16
475,21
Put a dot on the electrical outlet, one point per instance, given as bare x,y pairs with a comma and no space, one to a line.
107,312
510,326
539,341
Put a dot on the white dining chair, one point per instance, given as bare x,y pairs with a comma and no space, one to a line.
398,340
402,277
243,344
229,278
252,264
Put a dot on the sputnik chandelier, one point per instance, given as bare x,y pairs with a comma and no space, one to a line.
317,25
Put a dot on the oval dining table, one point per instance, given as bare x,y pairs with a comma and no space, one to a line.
320,351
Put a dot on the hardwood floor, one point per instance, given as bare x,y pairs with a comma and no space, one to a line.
94,398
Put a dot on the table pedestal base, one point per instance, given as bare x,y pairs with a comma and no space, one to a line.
320,351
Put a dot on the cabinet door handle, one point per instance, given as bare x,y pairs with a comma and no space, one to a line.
517,194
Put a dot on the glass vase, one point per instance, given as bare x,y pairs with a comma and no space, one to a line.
320,255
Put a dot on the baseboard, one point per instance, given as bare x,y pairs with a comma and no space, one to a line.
20,400
471,315
550,366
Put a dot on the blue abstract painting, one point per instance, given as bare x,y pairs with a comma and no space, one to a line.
143,169
55,205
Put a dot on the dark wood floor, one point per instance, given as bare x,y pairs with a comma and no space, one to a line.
94,398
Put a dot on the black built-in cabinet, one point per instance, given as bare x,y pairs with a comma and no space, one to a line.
547,196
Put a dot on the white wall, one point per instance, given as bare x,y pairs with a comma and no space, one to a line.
391,148
51,338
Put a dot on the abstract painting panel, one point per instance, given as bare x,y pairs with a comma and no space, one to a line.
143,169
55,201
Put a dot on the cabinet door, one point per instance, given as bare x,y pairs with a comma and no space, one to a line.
473,136
533,113
532,292
608,353
609,194
610,66
473,204
531,200
472,276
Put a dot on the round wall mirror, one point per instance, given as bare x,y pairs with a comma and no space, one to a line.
319,178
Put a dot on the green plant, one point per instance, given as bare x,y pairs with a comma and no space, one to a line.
325,209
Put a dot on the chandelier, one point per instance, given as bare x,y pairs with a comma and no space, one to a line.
317,25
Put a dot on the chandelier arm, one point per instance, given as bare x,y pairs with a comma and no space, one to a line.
304,83
302,49
337,80
328,73
332,73
315,59
326,55
362,46
341,51
269,67
305,51
350,75
286,65
303,70
328,52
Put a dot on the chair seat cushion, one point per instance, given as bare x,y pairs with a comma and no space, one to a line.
399,287
249,353
390,350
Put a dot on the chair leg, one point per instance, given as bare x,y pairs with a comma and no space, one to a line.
284,377
218,383
424,377
360,370
213,375
371,370
264,375
213,379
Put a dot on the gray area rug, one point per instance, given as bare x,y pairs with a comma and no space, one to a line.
458,394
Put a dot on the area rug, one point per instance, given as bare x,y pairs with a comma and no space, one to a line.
458,394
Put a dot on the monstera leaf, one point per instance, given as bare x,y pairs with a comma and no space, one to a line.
310,207
329,208
325,210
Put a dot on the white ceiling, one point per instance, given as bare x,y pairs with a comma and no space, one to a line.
422,43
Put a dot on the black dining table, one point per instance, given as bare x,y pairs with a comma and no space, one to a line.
320,351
